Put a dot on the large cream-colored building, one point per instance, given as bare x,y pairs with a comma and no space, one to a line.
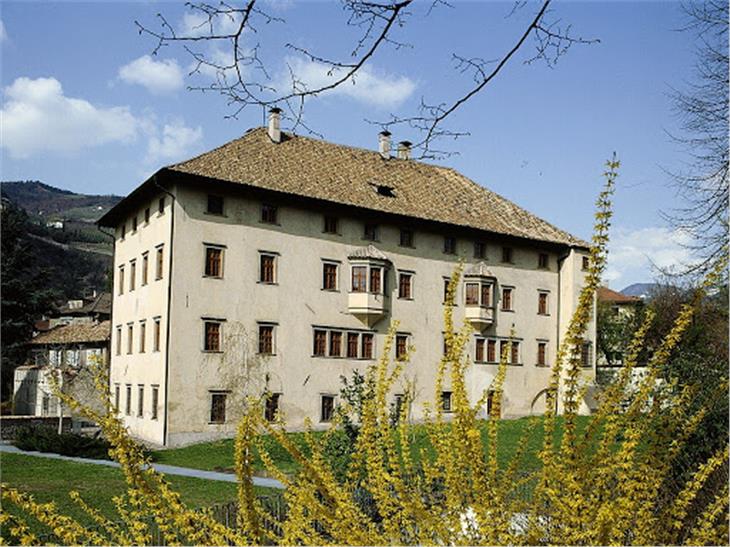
276,264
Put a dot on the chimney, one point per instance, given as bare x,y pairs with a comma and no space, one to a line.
275,124
384,144
404,150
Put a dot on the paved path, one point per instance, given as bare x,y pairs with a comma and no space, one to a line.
162,468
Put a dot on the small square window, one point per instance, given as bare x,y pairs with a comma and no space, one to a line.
268,213
331,225
449,245
370,232
215,204
212,340
507,255
543,261
446,405
214,262
218,407
406,238
480,249
271,407
327,408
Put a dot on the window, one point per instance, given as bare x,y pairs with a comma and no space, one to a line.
116,397
486,295
375,277
507,254
359,278
586,354
507,299
370,232
147,215
156,335
329,276
213,261
120,285
140,401
218,407
212,340
119,340
130,337
327,408
320,343
331,225
145,267
161,205
491,405
128,402
142,335
132,274
401,346
472,294
160,254
447,281
446,401
515,356
268,213
267,270
398,402
215,205
480,249
123,230
352,340
134,223
491,351
155,401
479,354
266,339
406,238
271,408
450,245
335,344
367,345
404,285
542,354
586,263
542,303
543,261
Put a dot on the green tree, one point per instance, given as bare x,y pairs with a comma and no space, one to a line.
25,292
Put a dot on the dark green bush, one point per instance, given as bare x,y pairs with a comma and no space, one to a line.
46,439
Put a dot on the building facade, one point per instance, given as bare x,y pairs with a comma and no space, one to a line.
276,263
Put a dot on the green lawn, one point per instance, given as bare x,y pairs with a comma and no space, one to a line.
218,455
51,480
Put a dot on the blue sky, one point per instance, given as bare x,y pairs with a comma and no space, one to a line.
85,108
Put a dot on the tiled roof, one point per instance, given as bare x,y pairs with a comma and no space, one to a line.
74,334
371,251
100,304
607,295
318,169
478,270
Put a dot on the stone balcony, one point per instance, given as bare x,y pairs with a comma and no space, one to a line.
480,317
368,307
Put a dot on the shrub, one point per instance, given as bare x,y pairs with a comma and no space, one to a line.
46,439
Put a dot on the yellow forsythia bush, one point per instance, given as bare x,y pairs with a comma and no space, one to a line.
602,484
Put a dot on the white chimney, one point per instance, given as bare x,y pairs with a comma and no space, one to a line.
384,144
275,124
404,150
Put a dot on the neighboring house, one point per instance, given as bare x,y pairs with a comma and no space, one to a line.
91,310
69,348
276,263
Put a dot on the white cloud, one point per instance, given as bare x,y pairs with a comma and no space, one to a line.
158,77
196,23
635,255
37,117
368,85
175,142
3,32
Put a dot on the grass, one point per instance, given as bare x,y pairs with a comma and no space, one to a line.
218,455
51,480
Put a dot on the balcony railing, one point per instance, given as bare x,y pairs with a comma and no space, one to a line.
368,307
479,316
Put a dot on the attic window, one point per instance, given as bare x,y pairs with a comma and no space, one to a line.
384,190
